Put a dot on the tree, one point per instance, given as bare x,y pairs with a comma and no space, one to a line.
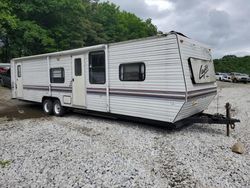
38,26
232,63
7,22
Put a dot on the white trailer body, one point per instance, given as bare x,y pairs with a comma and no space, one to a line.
164,78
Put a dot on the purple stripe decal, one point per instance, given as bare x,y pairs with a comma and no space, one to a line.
40,89
46,88
61,89
202,94
137,91
149,95
97,89
153,93
90,91
200,90
35,87
133,92
139,94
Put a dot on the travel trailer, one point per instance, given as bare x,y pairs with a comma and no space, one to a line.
163,78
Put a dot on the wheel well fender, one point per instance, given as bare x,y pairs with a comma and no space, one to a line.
51,98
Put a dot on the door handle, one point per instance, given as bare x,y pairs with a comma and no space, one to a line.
73,79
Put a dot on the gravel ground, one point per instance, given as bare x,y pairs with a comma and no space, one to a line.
84,151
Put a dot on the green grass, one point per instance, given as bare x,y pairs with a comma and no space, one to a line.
4,163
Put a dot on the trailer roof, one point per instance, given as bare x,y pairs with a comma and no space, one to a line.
96,47
140,39
65,52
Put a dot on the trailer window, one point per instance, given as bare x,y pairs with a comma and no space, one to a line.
97,67
19,71
78,67
57,75
132,72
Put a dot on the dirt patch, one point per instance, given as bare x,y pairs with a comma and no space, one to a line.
222,84
22,112
11,109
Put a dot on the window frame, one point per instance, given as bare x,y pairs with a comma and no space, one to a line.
19,71
76,70
90,66
140,63
62,78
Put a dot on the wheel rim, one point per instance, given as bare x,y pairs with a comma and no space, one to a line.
46,107
57,108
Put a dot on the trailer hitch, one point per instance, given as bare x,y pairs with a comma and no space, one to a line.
231,124
216,119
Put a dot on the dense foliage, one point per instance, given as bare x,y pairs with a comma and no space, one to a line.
232,63
39,26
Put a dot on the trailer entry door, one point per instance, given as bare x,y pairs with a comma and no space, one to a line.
202,70
78,81
19,80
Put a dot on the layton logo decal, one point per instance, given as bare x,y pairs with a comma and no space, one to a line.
203,71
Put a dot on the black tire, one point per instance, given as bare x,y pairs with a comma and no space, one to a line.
58,109
48,106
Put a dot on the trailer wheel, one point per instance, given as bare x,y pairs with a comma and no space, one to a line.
58,109
48,106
